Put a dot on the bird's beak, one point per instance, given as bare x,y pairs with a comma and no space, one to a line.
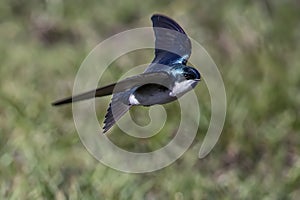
197,79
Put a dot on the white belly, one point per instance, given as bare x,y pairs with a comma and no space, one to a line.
181,87
133,100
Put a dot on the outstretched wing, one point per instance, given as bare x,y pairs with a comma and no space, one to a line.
162,78
117,108
172,45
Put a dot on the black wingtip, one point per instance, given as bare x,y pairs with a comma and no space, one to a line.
155,17
109,119
104,131
159,15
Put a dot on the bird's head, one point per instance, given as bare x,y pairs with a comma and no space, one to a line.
186,78
183,73
190,73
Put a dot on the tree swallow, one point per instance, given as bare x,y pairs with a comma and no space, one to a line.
164,80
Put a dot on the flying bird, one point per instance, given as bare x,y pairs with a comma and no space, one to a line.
164,80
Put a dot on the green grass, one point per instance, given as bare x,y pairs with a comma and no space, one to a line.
256,46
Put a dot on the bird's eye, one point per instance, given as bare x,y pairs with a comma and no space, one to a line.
189,76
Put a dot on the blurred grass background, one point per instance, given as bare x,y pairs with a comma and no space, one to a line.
256,47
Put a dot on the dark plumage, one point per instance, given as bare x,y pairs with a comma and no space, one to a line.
164,80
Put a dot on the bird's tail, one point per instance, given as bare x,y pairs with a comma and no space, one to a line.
80,97
103,91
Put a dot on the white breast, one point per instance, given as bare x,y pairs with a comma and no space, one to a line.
133,100
181,87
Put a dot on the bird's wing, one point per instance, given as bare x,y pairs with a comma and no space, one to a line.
115,111
172,45
161,78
